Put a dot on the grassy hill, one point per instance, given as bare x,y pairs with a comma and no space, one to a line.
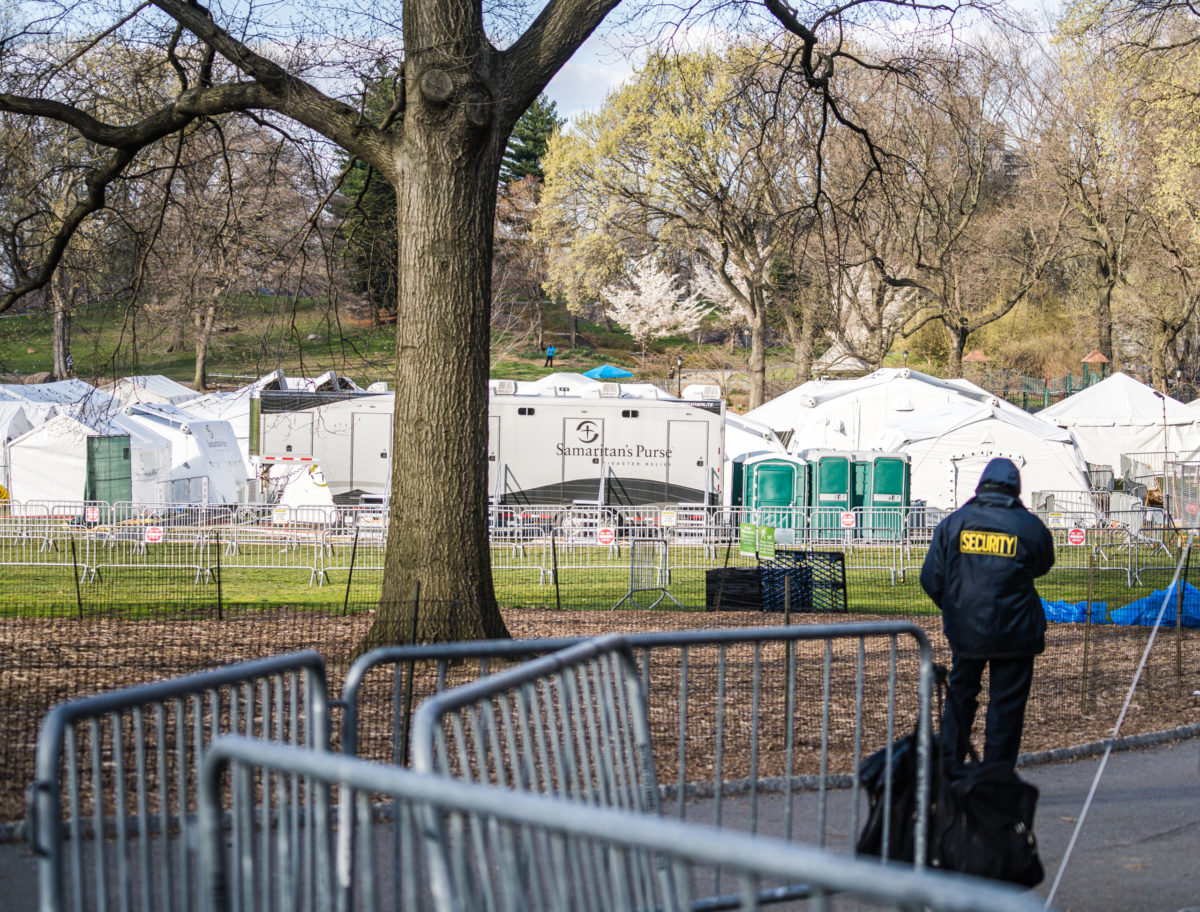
259,334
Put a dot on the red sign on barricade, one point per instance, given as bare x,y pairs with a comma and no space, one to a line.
606,536
847,520
153,534
1076,537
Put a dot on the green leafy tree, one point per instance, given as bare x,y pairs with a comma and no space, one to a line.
529,141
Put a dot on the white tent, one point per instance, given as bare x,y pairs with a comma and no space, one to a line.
330,381
1120,415
206,464
49,462
746,437
845,414
72,397
949,447
562,383
838,359
150,388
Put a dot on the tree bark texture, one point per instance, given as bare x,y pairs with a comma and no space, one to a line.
60,342
445,204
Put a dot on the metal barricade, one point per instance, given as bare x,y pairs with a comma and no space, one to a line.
649,571
497,850
734,713
349,550
572,724
270,538
112,812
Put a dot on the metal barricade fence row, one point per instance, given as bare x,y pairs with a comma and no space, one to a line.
112,810
799,725
541,545
406,841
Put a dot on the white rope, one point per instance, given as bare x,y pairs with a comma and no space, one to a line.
1171,592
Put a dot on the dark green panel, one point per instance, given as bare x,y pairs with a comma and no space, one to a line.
108,470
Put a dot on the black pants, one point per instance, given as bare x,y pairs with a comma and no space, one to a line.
1008,690
549,361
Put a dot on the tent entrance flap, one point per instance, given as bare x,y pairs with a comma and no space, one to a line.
108,470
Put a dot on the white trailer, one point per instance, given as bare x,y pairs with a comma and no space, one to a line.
603,447
542,449
348,434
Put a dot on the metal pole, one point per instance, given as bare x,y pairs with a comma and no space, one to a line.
220,609
350,574
554,568
75,567
1179,620
1087,630
787,599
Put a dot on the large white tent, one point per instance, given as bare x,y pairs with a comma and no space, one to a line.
949,447
1119,415
846,414
50,461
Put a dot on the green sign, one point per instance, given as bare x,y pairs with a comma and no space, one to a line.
766,543
747,539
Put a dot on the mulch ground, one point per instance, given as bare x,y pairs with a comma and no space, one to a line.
1081,683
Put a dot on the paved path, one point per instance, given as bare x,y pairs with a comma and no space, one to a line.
1139,850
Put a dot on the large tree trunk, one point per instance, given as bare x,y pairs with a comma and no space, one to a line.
958,344
178,331
204,330
60,341
1104,292
438,534
801,336
758,354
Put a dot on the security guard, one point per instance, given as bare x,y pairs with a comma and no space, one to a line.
980,571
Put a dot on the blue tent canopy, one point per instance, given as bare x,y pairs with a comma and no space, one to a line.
607,372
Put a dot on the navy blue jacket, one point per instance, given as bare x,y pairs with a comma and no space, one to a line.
980,571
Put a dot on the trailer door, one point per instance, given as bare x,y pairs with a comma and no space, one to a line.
370,449
582,459
286,434
687,464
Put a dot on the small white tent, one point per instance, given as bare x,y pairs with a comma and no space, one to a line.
150,388
1120,415
949,447
839,360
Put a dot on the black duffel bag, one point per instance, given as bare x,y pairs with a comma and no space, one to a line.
900,825
983,825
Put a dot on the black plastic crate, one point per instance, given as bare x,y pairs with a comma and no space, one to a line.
818,580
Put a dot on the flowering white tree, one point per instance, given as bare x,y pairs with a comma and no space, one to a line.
652,304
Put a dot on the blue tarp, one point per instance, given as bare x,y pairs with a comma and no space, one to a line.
1144,611
1066,613
607,372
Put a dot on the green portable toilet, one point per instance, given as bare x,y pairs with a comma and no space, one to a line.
888,498
773,490
108,475
831,474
